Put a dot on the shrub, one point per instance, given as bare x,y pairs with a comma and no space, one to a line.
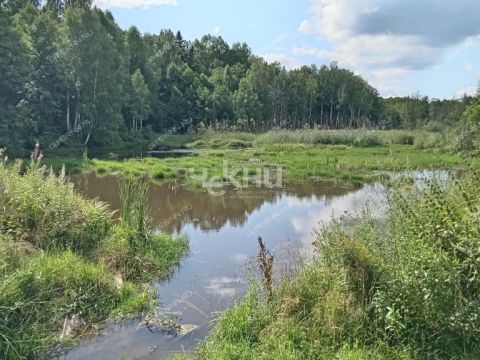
431,295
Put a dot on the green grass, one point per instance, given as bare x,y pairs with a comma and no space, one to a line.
351,157
357,138
406,287
45,210
40,290
350,165
154,260
60,255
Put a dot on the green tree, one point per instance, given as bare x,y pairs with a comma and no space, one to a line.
139,104
14,69
94,72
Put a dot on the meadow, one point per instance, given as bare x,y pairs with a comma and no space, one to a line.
351,157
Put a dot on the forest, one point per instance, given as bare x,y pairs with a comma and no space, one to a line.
67,68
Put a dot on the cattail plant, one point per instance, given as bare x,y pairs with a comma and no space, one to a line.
133,194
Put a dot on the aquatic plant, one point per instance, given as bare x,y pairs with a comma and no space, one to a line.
54,246
134,206
132,248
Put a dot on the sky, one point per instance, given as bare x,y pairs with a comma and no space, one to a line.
402,47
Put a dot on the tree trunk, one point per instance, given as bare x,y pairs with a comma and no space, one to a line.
68,108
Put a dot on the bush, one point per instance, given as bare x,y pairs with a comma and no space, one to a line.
431,295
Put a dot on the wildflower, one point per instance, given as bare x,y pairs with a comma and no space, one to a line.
37,154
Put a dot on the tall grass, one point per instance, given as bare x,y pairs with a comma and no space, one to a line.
133,193
132,248
355,138
38,291
45,210
58,256
403,287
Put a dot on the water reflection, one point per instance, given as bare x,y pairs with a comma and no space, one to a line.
222,232
174,206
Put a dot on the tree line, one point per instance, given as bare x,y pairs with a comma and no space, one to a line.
67,67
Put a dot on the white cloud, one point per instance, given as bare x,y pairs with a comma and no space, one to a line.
388,39
287,61
305,27
468,66
469,91
216,30
108,4
224,286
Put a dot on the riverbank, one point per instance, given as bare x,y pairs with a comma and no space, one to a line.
350,157
406,287
66,266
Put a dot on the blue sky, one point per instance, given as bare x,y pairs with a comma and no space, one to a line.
400,46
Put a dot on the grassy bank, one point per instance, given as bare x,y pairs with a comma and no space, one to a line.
406,287
64,257
351,165
349,156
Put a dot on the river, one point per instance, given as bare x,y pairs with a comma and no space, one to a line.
223,233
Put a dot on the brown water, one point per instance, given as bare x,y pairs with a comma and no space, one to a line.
222,232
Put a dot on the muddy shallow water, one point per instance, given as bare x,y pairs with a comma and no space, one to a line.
222,232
